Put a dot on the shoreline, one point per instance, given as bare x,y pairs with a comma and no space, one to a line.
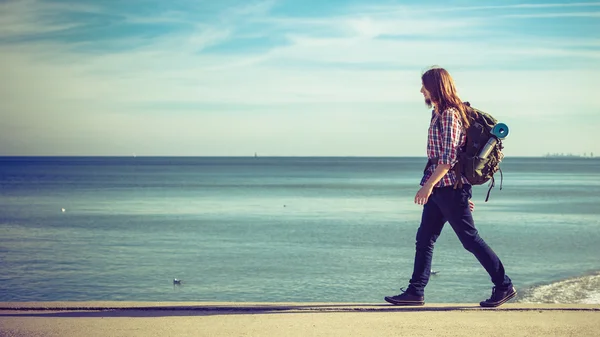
91,319
280,306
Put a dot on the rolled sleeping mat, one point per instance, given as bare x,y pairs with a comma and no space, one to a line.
500,130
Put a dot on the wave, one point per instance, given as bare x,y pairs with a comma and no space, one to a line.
583,289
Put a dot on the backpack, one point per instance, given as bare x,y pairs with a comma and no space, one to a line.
478,170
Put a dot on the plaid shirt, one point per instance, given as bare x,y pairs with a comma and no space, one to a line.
445,137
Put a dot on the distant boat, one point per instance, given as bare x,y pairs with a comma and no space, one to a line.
255,155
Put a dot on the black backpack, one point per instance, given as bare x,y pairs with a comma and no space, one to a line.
478,170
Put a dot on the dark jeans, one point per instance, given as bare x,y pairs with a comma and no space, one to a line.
447,204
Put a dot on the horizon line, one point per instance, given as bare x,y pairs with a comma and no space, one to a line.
271,156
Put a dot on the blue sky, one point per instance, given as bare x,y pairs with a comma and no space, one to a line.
282,77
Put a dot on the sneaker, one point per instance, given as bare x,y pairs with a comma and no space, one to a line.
499,297
405,298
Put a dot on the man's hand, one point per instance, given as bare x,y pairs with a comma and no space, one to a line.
471,206
423,194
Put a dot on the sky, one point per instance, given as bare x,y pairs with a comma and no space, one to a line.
290,77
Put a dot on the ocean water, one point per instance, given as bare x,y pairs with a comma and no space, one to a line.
283,229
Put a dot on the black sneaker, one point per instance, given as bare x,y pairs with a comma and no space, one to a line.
405,298
499,297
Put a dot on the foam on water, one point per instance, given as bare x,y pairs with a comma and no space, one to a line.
584,289
593,298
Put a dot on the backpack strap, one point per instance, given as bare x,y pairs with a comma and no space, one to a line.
501,178
492,184
458,173
430,162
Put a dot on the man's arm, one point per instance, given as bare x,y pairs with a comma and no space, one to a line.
437,175
425,191
450,130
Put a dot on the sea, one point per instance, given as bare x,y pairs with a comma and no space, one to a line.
284,229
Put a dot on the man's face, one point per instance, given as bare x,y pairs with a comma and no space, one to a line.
426,95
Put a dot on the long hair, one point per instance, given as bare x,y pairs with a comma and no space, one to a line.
442,91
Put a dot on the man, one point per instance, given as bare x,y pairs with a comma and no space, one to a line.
441,201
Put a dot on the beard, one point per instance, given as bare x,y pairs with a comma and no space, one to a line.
428,102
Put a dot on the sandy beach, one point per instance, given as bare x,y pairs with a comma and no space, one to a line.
293,319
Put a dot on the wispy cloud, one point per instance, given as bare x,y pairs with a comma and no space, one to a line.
555,15
442,8
21,18
169,70
537,6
